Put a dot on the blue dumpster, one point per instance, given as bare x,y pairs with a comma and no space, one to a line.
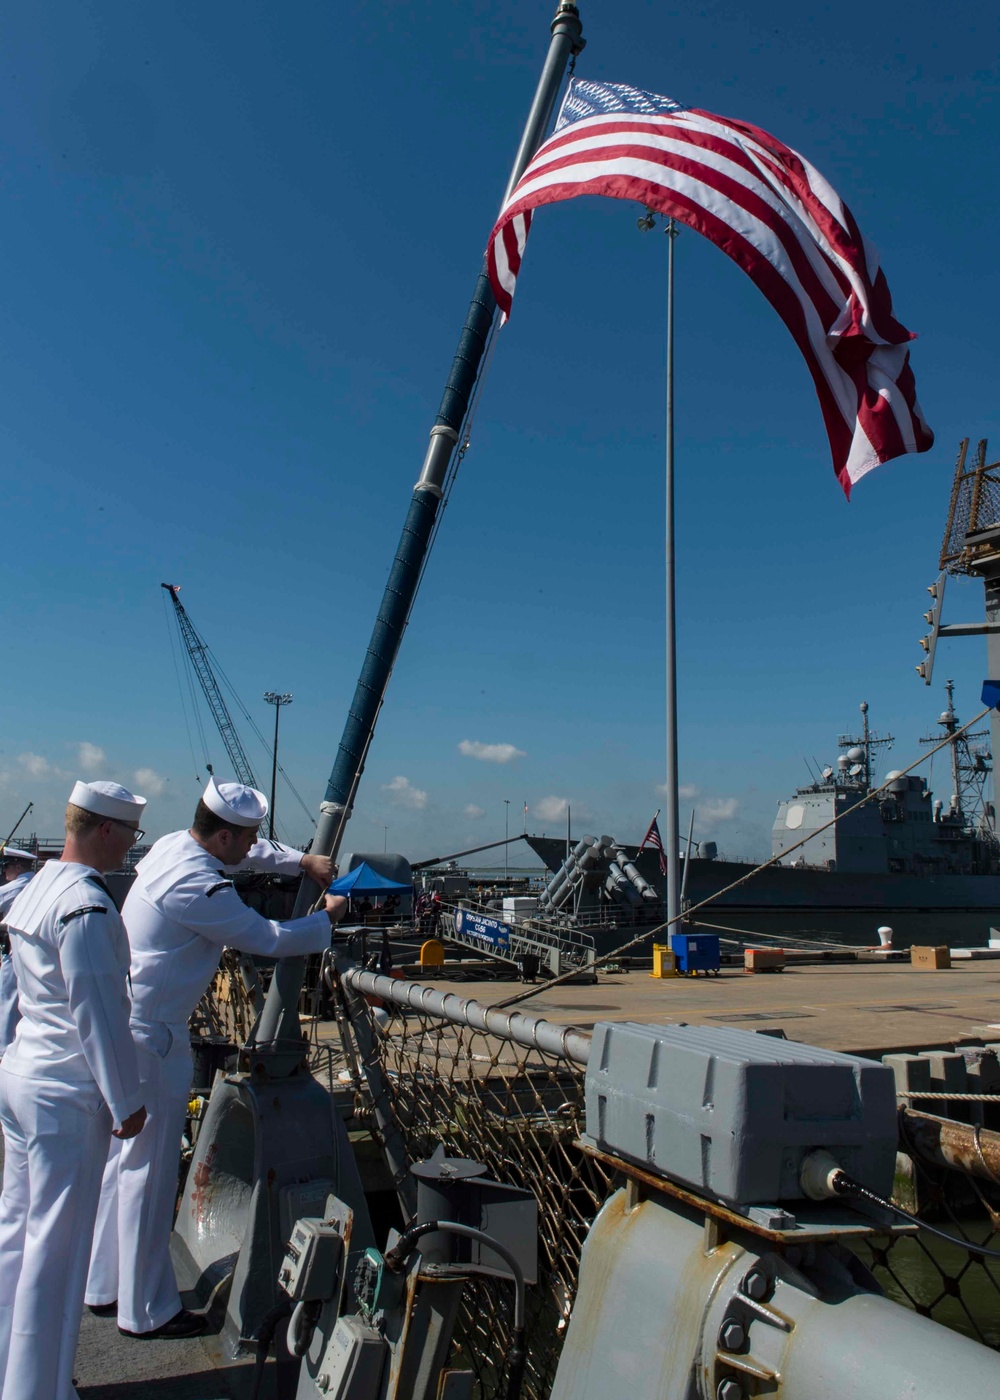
696,952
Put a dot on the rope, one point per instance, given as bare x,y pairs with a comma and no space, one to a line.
735,884
821,944
963,1098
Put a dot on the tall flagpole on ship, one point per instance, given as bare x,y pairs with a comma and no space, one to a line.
278,1023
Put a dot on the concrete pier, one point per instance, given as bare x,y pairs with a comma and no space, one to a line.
867,1008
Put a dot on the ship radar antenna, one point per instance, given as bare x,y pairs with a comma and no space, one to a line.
861,751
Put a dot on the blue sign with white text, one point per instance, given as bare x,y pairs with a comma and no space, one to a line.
490,931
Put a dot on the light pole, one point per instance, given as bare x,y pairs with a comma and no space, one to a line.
506,834
385,839
273,698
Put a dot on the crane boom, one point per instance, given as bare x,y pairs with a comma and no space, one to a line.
198,652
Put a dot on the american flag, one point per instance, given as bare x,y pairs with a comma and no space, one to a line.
773,213
653,838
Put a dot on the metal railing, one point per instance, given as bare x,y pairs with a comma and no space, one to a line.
538,937
974,507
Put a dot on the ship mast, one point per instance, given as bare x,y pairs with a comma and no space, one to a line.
950,722
971,766
861,751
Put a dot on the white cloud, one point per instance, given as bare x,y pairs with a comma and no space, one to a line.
90,757
36,765
473,812
718,809
402,793
149,782
550,809
490,753
685,791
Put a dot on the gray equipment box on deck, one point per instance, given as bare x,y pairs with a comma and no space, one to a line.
732,1114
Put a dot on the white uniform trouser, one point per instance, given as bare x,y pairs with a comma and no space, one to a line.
56,1141
147,1182
102,1278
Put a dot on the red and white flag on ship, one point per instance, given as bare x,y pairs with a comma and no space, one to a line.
774,214
653,838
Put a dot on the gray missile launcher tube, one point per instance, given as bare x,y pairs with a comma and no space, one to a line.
278,1023
642,885
618,885
585,855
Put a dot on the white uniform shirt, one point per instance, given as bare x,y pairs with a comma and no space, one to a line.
71,958
183,909
10,891
9,1014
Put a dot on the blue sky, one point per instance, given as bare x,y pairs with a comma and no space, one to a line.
239,242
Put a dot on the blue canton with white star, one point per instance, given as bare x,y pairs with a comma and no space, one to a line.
588,99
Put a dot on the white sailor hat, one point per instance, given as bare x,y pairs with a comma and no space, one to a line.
12,853
235,803
108,800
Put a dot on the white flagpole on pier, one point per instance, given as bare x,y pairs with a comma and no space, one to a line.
672,815
671,835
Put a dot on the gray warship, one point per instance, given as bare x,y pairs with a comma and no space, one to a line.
902,853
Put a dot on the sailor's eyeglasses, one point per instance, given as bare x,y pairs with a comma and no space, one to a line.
137,831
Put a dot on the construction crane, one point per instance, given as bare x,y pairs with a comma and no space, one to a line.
198,652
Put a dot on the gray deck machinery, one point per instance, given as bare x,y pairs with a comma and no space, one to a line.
721,1270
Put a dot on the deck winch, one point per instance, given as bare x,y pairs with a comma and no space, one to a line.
386,1329
732,1144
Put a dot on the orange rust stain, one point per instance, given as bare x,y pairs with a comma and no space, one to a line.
202,1183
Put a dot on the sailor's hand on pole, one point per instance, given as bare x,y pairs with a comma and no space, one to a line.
336,907
131,1126
318,868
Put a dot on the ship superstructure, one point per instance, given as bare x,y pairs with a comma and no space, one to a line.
904,831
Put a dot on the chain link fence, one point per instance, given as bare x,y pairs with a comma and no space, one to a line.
520,1112
952,1283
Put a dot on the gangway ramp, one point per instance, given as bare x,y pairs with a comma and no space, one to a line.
512,941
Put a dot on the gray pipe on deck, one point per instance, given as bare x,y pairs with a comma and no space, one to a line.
532,1031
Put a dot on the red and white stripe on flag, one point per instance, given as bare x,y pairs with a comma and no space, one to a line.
770,211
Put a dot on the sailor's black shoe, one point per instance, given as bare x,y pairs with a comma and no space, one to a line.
103,1309
182,1324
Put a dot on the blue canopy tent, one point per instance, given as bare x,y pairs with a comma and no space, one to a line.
364,880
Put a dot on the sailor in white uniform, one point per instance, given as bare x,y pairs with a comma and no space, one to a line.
180,913
69,1079
18,868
